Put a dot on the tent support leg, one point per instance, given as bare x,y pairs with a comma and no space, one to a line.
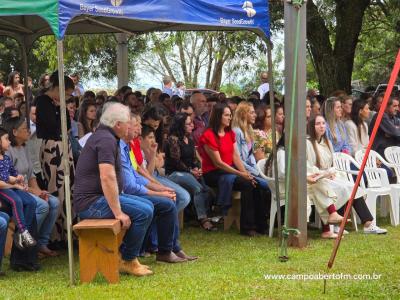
122,59
274,153
65,158
24,53
298,185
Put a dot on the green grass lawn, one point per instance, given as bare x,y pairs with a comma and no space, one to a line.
232,267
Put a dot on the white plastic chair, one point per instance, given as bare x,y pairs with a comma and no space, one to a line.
342,162
378,184
392,154
273,208
271,185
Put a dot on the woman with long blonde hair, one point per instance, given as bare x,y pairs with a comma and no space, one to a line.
242,124
335,129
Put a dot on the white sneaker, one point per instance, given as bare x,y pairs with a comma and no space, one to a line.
336,229
373,229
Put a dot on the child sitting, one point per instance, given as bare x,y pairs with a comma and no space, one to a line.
14,193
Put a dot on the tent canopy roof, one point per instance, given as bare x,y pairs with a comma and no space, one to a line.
28,17
32,19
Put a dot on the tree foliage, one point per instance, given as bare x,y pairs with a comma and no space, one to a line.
11,59
379,42
194,57
92,56
355,39
333,28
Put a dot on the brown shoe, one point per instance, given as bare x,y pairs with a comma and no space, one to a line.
46,252
182,254
335,218
329,235
207,225
170,257
134,267
121,260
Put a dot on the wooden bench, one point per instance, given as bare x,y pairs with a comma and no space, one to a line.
9,239
99,242
233,216
181,218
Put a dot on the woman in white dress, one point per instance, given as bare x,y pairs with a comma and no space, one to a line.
332,188
324,205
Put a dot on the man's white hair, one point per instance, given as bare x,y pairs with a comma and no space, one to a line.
114,112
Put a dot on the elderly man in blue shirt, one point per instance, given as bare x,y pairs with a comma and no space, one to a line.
165,222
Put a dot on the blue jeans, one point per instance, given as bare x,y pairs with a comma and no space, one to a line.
182,195
23,207
4,219
163,233
200,192
46,216
262,183
138,209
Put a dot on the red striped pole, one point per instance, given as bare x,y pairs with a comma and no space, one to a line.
388,92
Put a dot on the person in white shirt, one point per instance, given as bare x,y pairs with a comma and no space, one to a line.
357,127
167,86
33,146
180,89
264,87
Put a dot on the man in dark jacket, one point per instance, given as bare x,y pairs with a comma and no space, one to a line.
389,130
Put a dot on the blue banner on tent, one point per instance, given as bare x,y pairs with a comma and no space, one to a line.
222,13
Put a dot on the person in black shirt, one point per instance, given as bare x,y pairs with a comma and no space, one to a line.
48,128
183,167
99,188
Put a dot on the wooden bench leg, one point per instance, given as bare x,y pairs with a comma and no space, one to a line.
180,218
9,239
98,252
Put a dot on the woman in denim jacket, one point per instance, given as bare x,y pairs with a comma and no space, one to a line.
243,120
335,129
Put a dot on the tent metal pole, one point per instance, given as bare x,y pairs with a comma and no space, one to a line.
17,27
26,88
122,59
274,149
297,192
118,29
65,157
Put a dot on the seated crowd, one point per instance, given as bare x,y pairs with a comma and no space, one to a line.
143,159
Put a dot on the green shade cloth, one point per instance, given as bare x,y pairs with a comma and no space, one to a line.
47,9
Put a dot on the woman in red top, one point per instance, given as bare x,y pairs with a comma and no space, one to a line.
218,150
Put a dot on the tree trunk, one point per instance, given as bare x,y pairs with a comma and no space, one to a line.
210,61
334,64
163,59
197,64
217,75
182,57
